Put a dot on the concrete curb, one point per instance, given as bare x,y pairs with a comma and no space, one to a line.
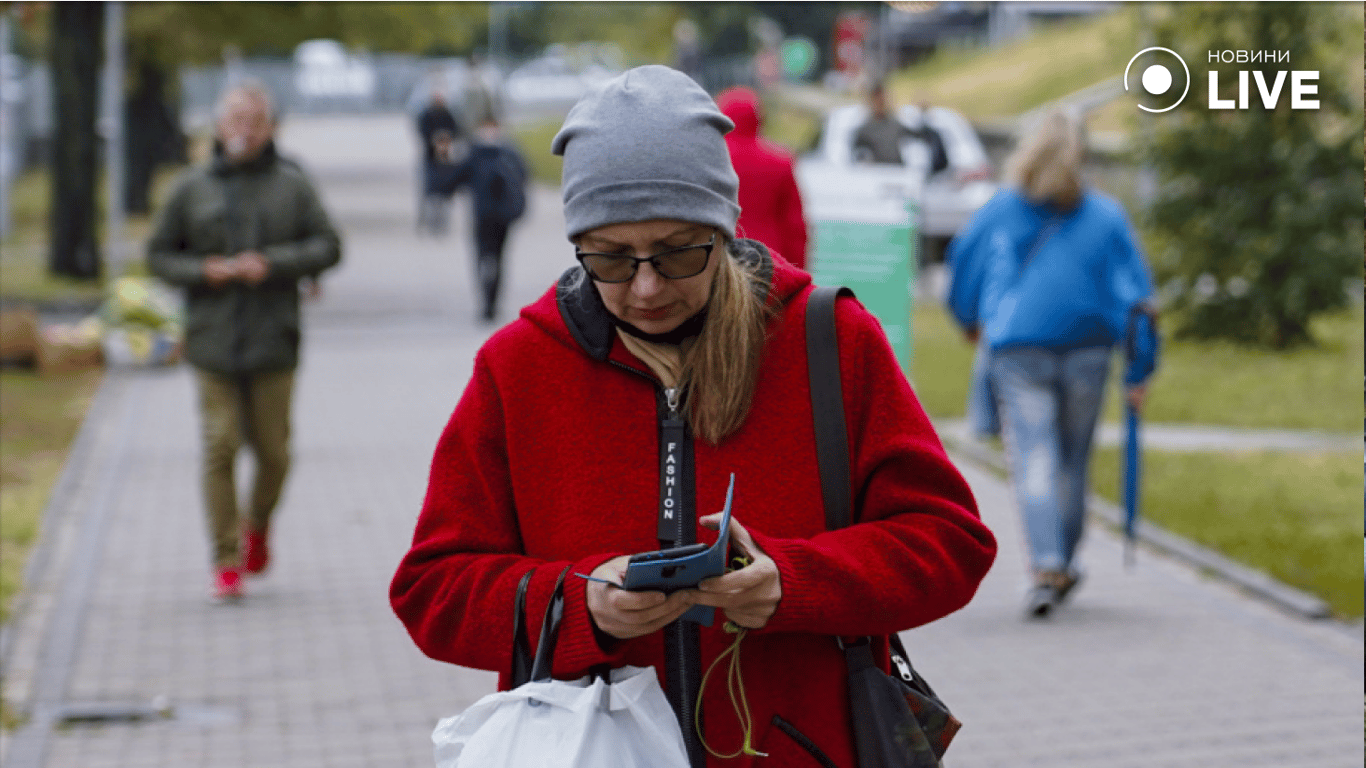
1252,581
68,564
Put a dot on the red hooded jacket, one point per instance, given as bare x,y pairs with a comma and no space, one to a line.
770,203
551,458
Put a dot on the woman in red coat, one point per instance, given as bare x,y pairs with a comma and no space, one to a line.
610,416
770,202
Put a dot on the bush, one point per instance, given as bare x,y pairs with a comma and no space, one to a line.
1258,211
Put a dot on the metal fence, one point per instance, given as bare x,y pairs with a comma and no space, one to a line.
384,83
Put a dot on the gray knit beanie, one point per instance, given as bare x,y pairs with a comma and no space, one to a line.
647,144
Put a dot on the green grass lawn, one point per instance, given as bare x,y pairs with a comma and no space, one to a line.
23,255
1223,383
1296,516
941,362
1016,77
39,417
534,141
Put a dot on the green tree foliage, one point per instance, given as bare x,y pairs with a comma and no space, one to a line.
643,31
180,33
1259,209
165,35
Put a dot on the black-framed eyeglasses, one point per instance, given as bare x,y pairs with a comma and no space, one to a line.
674,264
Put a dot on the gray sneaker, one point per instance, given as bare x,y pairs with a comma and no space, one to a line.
1041,601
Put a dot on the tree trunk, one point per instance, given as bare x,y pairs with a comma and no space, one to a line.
77,52
154,135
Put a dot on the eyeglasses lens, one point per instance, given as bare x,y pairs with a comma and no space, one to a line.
681,264
674,265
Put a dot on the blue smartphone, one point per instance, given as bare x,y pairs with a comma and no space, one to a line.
669,570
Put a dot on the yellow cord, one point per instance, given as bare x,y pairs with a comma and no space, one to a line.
735,684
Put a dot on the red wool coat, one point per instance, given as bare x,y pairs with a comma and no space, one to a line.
770,203
551,459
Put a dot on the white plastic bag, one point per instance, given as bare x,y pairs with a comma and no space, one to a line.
584,723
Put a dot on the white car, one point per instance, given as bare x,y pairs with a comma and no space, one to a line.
952,195
552,83
323,69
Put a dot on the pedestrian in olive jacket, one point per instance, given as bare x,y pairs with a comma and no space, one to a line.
238,234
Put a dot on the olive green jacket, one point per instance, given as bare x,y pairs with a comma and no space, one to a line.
266,205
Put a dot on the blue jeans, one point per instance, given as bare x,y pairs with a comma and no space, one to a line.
1050,402
983,418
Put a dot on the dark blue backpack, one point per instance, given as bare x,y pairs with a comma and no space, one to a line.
506,187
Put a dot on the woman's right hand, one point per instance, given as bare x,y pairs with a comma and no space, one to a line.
624,614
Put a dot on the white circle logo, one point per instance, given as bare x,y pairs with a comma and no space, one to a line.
1157,77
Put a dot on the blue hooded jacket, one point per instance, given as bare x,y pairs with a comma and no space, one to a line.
1030,275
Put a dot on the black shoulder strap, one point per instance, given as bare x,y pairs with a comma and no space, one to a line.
832,444
827,405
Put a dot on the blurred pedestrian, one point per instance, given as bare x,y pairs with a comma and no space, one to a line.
483,91
497,175
614,409
880,137
436,123
1049,273
770,202
688,48
239,234
963,260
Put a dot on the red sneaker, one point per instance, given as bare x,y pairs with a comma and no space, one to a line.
227,584
257,552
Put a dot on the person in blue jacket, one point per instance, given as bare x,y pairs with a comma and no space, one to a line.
497,174
1048,275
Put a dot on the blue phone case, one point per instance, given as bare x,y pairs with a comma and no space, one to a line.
670,570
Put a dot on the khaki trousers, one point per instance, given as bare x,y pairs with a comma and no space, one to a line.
251,409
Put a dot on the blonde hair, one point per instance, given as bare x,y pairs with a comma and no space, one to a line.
721,368
1047,164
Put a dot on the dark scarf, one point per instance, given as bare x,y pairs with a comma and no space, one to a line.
685,330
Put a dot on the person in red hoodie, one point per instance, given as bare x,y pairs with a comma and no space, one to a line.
612,413
770,202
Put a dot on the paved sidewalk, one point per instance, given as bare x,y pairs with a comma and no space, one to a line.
1157,666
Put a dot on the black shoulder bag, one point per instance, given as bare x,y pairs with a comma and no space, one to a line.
899,722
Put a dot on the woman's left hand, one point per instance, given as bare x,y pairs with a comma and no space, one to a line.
748,596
